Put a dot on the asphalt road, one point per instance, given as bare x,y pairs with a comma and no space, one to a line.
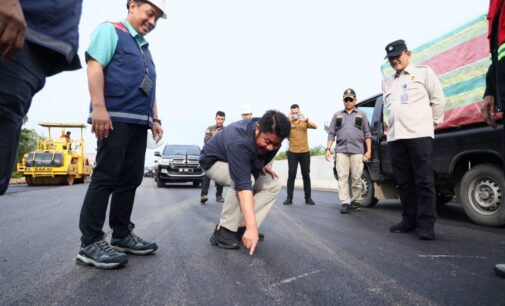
312,255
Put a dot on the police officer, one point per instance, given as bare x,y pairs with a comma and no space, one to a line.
122,85
414,105
210,132
351,128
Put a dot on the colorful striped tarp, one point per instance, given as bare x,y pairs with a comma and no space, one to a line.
460,58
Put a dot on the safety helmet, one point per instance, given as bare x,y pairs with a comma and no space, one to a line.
160,4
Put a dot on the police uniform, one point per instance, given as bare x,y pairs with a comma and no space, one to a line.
414,104
351,130
210,132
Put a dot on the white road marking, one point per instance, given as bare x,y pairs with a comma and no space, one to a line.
292,279
451,256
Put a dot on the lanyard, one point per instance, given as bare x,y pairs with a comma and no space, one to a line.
144,56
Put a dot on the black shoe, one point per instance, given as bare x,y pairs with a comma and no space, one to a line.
309,201
401,228
134,244
204,199
345,209
426,234
499,269
220,199
288,201
101,255
225,239
356,206
241,231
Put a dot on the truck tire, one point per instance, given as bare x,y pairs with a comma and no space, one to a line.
481,194
367,197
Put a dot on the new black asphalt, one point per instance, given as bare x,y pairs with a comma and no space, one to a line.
312,255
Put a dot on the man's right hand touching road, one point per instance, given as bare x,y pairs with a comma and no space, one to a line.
250,239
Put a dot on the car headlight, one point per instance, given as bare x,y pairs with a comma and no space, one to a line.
164,162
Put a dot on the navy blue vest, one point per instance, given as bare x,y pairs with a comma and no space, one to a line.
124,100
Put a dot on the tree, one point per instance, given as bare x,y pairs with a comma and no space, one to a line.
27,143
315,151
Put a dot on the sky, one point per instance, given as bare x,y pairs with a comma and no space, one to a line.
223,54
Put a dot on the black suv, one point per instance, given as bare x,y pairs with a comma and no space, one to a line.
179,163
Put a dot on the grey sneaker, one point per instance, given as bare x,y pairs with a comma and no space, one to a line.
134,244
101,255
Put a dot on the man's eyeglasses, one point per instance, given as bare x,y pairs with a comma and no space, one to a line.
348,100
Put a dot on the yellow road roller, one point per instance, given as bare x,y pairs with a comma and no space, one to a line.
57,160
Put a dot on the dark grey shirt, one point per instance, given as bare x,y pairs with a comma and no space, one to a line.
351,130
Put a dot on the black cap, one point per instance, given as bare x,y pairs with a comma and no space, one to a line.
349,93
396,48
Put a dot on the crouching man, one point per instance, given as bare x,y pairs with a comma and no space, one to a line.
240,150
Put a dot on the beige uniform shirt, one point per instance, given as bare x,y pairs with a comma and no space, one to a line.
414,103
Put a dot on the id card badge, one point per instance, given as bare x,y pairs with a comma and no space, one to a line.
146,85
404,98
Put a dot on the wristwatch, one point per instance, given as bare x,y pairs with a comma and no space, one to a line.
157,120
328,149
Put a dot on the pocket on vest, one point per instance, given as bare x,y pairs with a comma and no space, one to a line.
114,89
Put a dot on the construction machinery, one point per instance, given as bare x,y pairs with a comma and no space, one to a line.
58,160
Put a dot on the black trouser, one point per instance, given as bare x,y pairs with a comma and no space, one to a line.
205,187
118,172
304,160
412,167
20,78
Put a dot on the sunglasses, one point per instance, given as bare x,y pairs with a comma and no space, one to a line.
348,100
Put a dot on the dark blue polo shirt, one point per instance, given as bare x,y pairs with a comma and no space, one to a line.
236,145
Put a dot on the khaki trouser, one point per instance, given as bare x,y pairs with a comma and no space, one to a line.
354,163
266,189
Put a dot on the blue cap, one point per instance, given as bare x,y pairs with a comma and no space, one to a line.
396,48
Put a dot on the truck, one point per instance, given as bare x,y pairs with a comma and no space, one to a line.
467,154
55,161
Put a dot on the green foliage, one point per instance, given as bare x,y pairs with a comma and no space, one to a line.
27,143
315,151
281,155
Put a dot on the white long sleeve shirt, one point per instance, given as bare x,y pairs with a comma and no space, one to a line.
414,103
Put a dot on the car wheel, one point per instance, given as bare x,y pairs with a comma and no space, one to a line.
481,194
367,198
159,182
